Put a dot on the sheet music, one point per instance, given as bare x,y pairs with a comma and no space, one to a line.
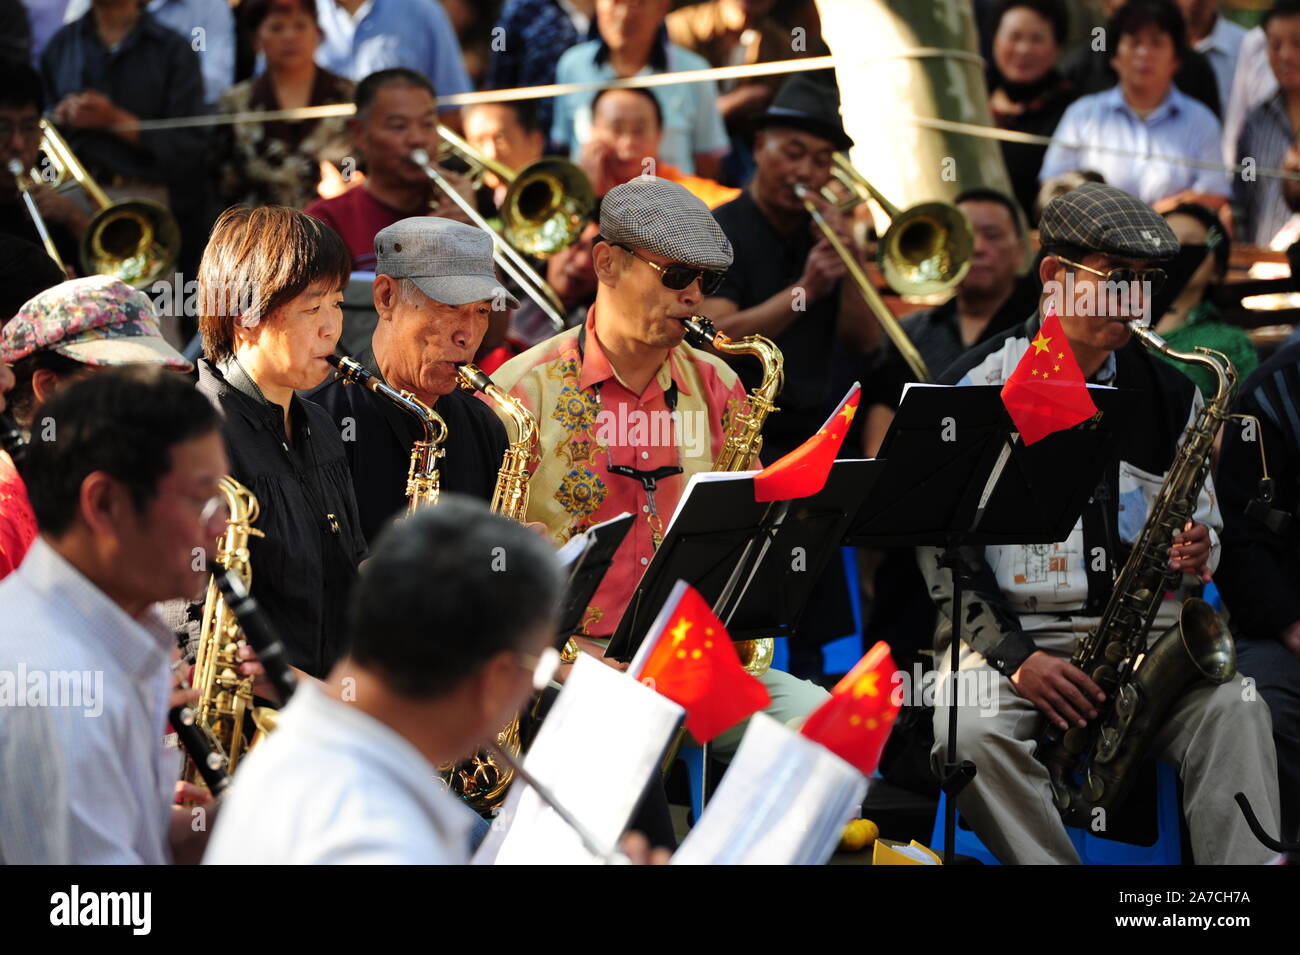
784,801
576,545
704,477
601,742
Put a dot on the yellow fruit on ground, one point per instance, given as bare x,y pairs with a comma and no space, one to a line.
859,834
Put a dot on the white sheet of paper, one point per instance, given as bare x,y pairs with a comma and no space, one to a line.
784,801
601,742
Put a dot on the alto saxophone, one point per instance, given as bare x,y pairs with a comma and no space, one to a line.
225,698
745,438
1094,767
422,481
481,781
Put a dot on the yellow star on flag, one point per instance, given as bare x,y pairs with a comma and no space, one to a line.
1040,343
679,631
847,413
866,686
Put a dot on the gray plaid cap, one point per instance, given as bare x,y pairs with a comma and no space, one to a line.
654,215
1104,219
449,261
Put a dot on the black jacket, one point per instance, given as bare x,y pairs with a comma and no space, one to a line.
1259,571
305,565
377,443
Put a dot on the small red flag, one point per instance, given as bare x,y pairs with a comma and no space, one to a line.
694,663
803,472
855,722
1046,393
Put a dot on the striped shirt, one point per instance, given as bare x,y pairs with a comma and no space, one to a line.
84,775
1265,138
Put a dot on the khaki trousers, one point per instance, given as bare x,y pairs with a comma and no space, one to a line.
1219,737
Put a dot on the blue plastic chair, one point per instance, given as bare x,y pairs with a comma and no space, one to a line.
1093,850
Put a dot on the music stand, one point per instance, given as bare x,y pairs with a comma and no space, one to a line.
587,570
957,475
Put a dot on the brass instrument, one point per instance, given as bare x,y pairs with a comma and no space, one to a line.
745,438
422,481
25,190
510,497
926,249
225,698
1093,768
538,213
482,781
549,202
135,240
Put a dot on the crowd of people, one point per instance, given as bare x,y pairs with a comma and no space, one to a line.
1166,140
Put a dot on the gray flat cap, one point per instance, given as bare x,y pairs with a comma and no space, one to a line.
658,216
1104,219
450,262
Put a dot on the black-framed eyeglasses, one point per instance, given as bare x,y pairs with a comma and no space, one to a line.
1125,275
679,277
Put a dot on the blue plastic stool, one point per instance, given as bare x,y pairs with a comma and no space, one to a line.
1093,850
840,656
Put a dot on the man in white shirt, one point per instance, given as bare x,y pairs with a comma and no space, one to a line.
451,613
125,497
1218,38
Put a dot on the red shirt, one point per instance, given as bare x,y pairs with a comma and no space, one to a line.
17,521
357,216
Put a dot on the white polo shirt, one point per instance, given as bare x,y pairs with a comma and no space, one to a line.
333,785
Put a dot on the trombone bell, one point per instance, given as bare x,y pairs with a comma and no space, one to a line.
548,205
926,249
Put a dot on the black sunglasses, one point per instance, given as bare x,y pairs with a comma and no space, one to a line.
679,277
1124,275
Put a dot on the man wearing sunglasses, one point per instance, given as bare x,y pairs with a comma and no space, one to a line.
1029,604
627,410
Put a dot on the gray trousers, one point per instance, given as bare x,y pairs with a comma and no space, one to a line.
1219,737
1276,672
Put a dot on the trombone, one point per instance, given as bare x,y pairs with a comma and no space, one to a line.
25,190
135,240
546,208
926,249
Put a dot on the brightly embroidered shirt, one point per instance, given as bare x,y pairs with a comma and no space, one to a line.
588,419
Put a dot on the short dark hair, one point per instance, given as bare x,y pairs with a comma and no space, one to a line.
1281,8
985,194
525,113
20,86
1164,15
22,397
253,13
256,260
444,591
1216,237
369,87
122,421
1053,11
640,91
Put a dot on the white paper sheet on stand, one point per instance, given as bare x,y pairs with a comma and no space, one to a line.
598,747
784,801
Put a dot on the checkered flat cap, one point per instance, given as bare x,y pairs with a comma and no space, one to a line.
658,216
1104,219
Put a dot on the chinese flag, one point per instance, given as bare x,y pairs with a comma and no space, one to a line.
1046,392
694,663
855,722
803,471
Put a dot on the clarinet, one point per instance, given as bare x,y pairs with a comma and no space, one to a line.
259,632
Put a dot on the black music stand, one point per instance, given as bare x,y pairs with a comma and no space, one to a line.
740,555
957,475
719,542
586,570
